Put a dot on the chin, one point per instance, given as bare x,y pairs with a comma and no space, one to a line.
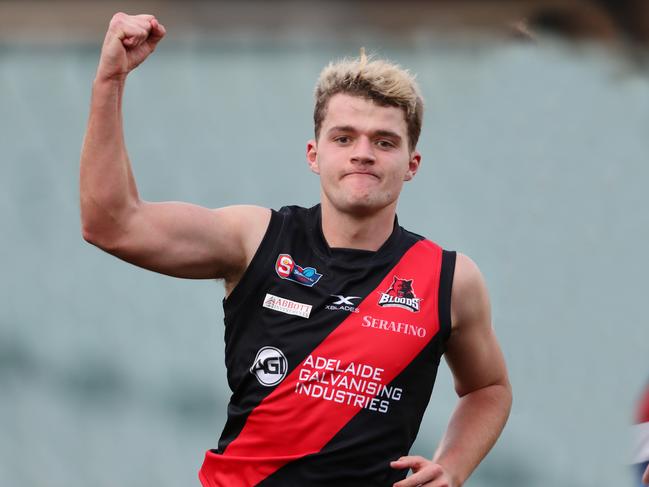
362,206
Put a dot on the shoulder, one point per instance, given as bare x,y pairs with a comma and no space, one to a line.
467,274
469,296
248,220
244,214
295,210
298,213
252,222
235,212
246,226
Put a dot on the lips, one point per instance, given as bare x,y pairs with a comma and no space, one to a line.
362,173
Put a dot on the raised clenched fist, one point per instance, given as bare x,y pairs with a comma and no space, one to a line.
129,41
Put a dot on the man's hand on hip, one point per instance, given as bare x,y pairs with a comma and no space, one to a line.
426,473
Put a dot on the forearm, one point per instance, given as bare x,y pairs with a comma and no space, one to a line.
473,429
107,185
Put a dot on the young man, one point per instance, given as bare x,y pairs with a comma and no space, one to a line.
336,317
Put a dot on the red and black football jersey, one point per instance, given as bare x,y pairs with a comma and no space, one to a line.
331,356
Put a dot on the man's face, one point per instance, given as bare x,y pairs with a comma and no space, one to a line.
362,155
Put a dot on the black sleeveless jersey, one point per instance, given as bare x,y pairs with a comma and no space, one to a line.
331,357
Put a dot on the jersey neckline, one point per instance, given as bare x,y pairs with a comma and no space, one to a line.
345,256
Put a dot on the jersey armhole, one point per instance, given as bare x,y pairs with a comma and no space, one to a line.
445,289
257,263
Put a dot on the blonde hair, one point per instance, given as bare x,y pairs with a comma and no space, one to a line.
379,80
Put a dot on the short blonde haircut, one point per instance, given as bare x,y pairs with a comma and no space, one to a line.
379,80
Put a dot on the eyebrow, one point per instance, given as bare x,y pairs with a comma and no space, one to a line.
380,132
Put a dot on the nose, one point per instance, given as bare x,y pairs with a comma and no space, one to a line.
363,151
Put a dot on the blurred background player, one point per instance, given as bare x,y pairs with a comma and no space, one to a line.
640,453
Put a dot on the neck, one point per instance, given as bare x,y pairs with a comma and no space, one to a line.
364,232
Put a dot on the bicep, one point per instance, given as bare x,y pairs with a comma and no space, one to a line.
190,241
473,353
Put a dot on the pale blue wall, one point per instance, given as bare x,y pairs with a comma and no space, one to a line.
535,164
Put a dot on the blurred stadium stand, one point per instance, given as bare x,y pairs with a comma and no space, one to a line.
618,21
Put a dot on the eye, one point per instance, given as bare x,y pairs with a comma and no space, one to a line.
385,144
342,139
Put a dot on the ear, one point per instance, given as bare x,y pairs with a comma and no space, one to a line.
413,165
312,156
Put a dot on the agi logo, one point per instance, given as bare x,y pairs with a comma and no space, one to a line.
286,268
400,294
270,366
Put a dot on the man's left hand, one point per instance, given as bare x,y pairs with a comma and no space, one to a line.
426,473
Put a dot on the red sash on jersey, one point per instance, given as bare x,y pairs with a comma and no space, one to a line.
288,425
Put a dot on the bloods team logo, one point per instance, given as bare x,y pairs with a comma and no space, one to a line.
270,366
400,294
286,268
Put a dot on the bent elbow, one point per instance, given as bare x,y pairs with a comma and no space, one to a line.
103,228
104,237
91,236
87,234
94,237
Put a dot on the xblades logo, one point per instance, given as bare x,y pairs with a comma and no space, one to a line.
343,303
270,366
346,300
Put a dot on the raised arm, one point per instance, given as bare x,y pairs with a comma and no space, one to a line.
178,239
481,382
